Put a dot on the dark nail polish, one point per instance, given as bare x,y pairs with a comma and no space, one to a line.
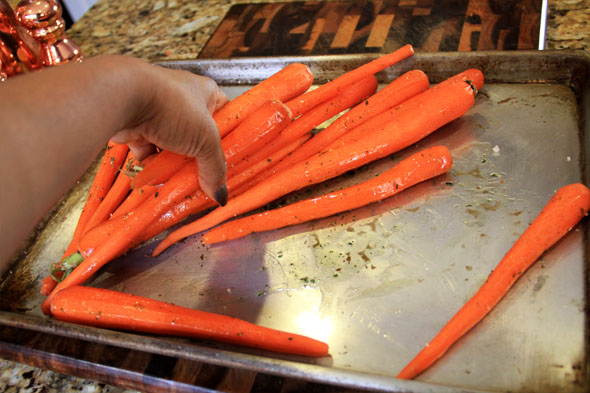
221,195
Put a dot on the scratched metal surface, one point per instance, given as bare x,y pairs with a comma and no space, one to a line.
378,282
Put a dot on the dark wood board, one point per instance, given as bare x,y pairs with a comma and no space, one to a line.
373,26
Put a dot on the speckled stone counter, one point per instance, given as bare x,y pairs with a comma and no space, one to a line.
179,29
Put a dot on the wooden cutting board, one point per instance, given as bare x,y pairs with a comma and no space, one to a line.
373,26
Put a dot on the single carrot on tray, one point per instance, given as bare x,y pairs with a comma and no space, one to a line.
181,185
286,84
563,211
328,90
106,308
411,124
418,167
109,166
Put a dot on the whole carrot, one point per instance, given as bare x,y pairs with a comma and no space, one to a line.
109,166
350,96
116,310
115,196
401,89
328,90
568,206
187,207
286,84
181,185
418,167
411,124
399,114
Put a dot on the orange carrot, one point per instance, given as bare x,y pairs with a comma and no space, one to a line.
560,215
410,171
181,185
393,115
411,124
105,175
351,95
406,86
255,131
187,207
115,196
237,180
160,168
134,199
98,236
116,310
286,84
472,75
328,90
260,127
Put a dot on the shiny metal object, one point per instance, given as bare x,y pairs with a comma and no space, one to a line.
378,282
16,44
44,22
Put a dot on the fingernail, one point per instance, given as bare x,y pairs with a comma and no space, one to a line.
221,195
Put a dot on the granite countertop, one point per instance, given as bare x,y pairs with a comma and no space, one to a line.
179,29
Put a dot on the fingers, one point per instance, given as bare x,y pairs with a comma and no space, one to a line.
211,165
143,151
178,117
217,99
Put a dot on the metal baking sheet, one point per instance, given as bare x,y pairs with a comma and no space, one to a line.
378,282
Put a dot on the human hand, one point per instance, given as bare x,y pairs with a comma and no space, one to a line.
176,115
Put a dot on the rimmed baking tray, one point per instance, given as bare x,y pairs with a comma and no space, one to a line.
377,283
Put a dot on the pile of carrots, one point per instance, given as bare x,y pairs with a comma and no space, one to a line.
270,152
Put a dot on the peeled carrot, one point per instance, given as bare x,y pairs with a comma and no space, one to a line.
109,166
188,206
286,84
411,124
159,169
115,196
350,96
328,90
401,89
472,75
237,180
181,185
134,199
260,127
116,310
394,116
563,211
418,167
